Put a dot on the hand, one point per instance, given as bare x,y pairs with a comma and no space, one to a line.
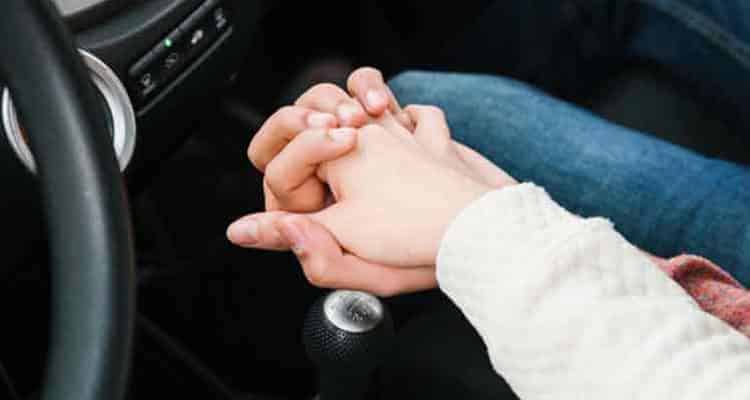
396,193
323,106
323,260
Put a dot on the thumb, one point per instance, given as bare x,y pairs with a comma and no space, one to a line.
326,265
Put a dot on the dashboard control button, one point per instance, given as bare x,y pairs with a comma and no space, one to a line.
173,39
197,37
172,60
185,43
146,80
146,84
220,18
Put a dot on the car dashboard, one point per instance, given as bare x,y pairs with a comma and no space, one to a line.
159,66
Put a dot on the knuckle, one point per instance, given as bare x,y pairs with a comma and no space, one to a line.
324,89
286,112
271,204
286,119
254,156
276,181
301,204
317,273
276,125
286,109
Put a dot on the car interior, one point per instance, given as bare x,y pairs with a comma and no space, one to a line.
181,86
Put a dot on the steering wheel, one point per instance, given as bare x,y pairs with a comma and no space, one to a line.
88,223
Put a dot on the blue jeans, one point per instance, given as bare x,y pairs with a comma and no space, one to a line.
663,198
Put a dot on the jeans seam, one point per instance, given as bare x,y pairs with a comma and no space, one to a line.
706,27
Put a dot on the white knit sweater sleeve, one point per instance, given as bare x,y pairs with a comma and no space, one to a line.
568,309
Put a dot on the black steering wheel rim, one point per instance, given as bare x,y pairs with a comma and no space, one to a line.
88,223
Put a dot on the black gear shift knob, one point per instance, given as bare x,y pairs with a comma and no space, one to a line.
346,334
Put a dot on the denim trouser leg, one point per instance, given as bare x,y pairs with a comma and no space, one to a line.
663,198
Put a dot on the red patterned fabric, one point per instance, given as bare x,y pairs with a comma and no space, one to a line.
714,289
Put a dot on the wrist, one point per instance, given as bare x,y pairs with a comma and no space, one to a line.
459,201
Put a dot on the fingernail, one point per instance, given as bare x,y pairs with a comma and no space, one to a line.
243,232
376,98
293,233
347,112
321,120
341,135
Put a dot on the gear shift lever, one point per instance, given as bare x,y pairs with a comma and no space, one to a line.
345,335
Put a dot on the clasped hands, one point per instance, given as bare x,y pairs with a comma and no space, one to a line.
361,190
